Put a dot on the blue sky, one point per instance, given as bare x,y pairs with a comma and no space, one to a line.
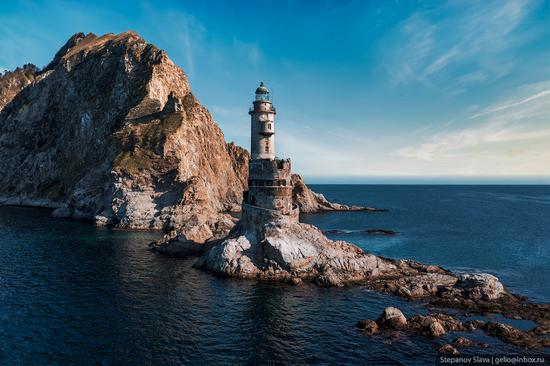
366,91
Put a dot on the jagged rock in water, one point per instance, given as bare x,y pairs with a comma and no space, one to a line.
434,325
472,325
392,318
310,201
267,244
448,349
509,334
12,82
438,324
462,342
368,326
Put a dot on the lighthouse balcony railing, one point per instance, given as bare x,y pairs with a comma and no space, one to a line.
271,109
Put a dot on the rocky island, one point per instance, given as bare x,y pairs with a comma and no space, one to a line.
110,132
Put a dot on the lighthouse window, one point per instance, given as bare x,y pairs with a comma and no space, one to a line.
266,148
269,126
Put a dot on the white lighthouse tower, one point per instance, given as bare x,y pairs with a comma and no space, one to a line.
269,179
262,118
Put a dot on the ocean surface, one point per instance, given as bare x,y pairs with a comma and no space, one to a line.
74,294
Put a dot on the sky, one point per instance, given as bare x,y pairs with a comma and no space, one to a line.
366,91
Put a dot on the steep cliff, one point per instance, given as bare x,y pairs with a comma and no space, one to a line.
109,131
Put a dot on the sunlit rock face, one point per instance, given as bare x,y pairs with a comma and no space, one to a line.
109,131
273,246
12,82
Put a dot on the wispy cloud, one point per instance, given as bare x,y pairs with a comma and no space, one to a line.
461,44
511,104
513,138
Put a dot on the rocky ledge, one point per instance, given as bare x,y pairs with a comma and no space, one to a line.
309,201
438,324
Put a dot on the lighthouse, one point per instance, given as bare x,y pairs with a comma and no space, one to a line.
262,118
269,184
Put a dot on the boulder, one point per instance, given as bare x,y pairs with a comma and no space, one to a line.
482,286
447,349
426,325
462,342
392,318
472,325
368,326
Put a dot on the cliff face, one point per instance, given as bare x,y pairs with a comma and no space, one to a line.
110,131
12,82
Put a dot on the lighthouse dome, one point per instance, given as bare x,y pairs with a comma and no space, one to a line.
262,89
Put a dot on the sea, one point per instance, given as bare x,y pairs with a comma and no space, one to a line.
73,294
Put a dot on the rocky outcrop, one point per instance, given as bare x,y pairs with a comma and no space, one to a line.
271,246
437,325
310,201
417,280
434,325
12,82
111,131
509,334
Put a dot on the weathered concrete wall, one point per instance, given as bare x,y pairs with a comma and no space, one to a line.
269,185
270,170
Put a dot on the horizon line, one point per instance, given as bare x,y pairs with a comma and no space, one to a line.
426,180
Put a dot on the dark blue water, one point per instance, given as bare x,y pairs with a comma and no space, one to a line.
74,294
502,230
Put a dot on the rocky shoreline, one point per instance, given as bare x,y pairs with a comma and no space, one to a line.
279,248
392,322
